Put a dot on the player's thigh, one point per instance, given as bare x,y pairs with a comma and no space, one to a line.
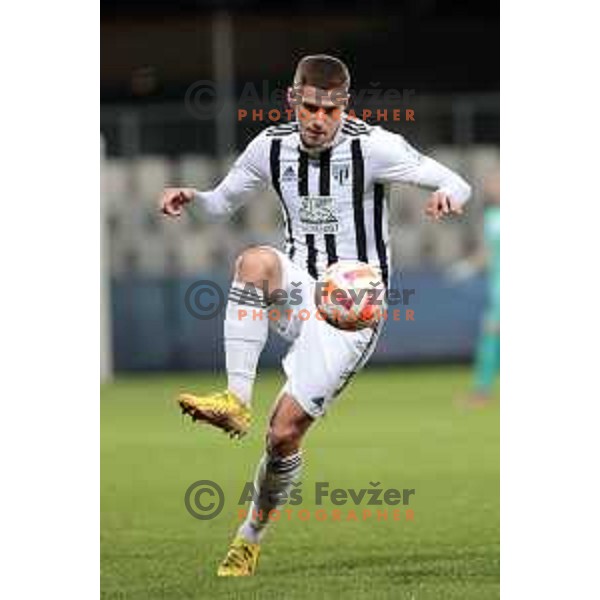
321,362
285,316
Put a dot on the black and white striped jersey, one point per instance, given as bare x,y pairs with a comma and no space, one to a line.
333,201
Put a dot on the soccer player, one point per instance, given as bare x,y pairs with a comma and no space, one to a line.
487,351
330,174
487,357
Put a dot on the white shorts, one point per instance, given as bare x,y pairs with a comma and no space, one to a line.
322,359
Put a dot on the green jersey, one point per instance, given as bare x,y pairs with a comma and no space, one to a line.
491,231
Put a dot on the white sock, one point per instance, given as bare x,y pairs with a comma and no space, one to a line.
245,337
272,484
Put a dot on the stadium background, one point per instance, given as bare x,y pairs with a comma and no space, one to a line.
152,54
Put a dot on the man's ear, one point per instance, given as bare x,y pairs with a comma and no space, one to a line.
344,100
293,96
340,98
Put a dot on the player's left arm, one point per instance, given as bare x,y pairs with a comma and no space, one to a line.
394,159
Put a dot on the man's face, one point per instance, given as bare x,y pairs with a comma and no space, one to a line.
319,114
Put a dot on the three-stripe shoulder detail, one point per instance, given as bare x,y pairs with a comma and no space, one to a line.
355,128
282,130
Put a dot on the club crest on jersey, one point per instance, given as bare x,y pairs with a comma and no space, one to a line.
341,173
289,174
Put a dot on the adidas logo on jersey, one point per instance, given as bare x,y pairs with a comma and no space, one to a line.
289,174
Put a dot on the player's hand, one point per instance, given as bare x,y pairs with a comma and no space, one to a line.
174,199
441,205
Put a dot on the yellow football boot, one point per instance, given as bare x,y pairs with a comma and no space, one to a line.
223,410
241,559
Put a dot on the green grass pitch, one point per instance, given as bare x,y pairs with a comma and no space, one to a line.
396,426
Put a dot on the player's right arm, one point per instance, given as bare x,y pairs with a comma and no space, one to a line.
249,174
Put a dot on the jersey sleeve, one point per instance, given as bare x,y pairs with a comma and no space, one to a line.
393,159
248,175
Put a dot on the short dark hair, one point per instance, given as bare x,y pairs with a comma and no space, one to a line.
323,71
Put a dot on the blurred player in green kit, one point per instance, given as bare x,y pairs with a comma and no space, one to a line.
487,352
487,357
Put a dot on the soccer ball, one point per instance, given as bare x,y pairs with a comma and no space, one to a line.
350,295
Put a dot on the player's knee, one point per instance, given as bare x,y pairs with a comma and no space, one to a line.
283,438
256,265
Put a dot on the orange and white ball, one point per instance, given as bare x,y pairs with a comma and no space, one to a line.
350,295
